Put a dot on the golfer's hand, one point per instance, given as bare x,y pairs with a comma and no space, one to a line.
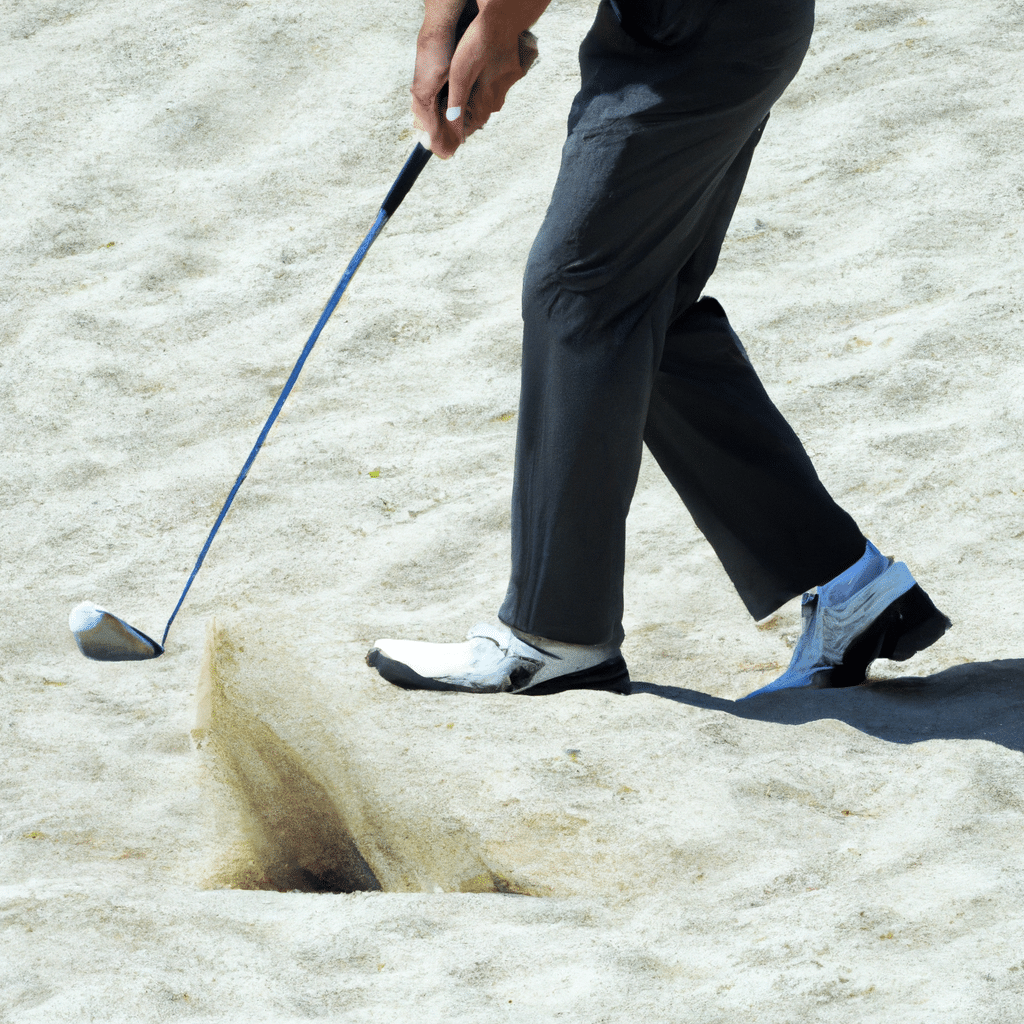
491,57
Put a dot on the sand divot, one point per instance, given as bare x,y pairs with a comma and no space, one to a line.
296,836
308,805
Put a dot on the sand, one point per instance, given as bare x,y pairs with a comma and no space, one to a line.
181,185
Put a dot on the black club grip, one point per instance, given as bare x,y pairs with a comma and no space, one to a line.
420,155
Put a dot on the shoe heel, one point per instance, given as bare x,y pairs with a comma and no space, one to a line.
910,624
612,676
920,626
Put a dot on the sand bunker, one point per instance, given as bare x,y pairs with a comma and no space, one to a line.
181,185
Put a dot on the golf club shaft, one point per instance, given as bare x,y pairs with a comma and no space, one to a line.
399,190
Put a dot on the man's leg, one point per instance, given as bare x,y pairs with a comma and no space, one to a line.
653,134
658,148
750,487
740,469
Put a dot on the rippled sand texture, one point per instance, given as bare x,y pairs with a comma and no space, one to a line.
181,185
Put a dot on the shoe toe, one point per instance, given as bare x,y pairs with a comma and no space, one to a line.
795,679
475,666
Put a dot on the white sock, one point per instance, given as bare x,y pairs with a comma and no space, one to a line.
592,654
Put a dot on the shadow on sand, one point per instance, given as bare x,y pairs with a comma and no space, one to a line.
978,701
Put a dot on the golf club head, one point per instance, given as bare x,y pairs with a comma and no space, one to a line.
104,637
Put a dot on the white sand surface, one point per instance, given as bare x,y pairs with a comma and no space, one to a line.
181,184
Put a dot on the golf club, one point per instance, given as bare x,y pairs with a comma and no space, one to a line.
101,635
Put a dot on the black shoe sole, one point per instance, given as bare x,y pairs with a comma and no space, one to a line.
910,624
611,676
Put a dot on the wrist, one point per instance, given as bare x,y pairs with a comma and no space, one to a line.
441,16
511,15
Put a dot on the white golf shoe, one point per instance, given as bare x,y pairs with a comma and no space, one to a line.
890,617
493,659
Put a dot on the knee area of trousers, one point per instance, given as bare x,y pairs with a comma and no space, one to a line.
552,291
541,276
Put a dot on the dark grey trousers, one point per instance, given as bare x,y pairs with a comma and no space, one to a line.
618,348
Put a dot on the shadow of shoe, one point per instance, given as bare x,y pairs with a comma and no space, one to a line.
977,701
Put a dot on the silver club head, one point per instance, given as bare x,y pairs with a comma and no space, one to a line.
104,637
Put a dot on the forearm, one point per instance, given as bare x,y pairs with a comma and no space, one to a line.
441,15
517,15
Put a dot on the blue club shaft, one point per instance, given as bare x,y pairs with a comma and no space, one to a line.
399,190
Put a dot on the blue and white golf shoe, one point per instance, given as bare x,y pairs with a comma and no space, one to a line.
888,617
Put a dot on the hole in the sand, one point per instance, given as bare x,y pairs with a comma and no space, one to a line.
295,836
300,820
284,877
